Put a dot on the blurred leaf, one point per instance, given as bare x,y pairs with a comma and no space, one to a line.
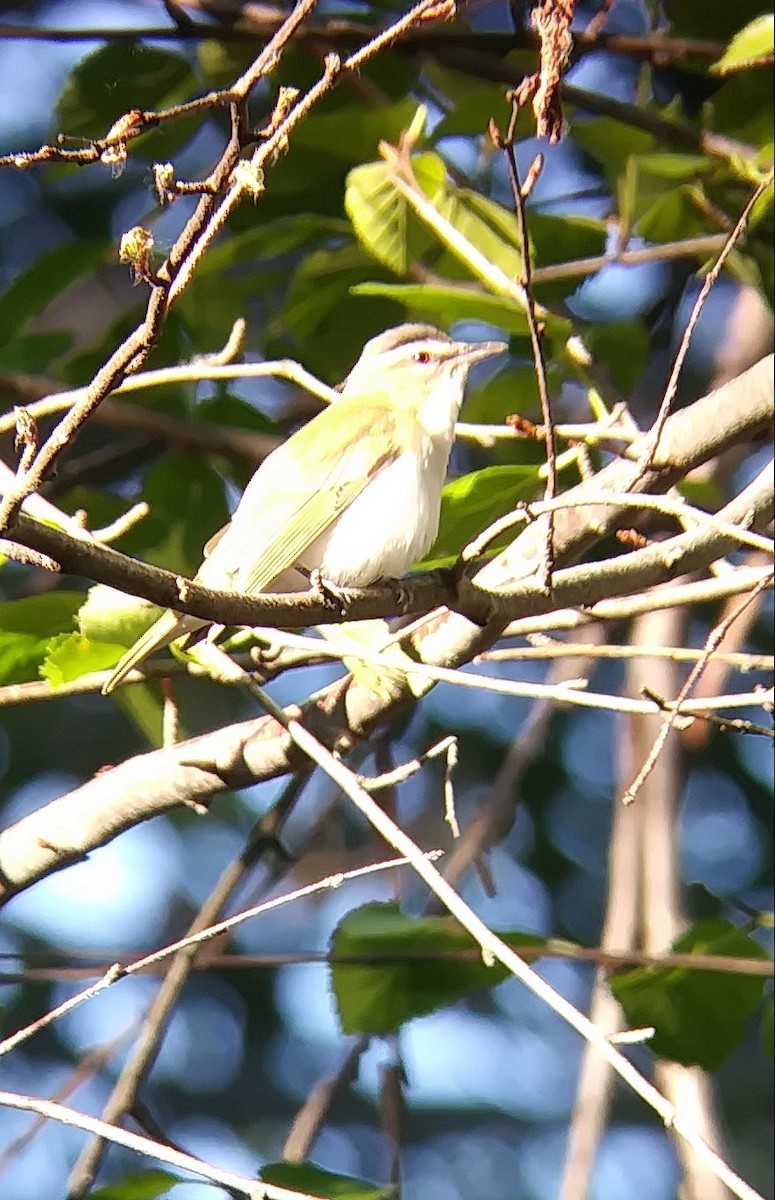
556,240
142,1185
101,508
474,101
354,133
321,314
339,134
312,1180
471,503
268,241
378,997
674,166
672,216
743,108
119,77
753,46
562,239
612,143
227,409
624,348
446,304
33,353
175,347
188,505
699,1016
222,62
26,627
143,705
718,21
511,390
52,273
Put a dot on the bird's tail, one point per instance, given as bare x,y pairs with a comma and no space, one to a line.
168,628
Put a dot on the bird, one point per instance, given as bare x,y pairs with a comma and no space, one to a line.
351,497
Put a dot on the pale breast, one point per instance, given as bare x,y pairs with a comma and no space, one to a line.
389,526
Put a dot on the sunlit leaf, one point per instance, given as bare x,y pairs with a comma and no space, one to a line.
382,218
71,655
27,626
471,503
447,304
143,1185
753,46
699,1016
410,976
314,1181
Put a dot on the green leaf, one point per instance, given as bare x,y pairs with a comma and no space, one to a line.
685,167
268,241
52,273
34,352
624,348
26,627
513,389
108,623
743,108
383,221
672,216
143,1185
378,997
753,46
558,239
473,101
188,505
313,1180
115,79
444,305
321,313
717,21
699,1016
471,503
112,617
487,226
353,133
612,143
71,655
144,706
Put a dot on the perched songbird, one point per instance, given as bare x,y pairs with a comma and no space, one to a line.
354,494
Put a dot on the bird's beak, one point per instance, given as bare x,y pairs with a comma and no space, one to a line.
475,351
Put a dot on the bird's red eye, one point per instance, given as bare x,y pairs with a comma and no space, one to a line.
422,356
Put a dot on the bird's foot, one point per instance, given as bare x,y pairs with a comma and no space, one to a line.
332,596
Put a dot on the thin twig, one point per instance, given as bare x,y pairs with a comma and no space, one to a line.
534,329
143,1145
116,972
678,707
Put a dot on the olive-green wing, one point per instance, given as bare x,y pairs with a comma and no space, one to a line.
250,553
